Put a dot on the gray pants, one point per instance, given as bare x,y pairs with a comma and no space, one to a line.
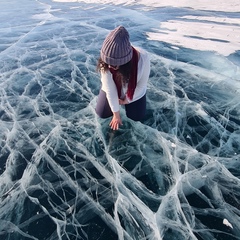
135,110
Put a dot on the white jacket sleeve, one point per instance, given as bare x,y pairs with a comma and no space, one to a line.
109,87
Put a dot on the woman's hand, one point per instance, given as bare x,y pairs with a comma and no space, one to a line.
123,101
116,121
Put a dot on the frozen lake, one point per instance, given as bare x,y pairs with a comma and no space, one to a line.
66,175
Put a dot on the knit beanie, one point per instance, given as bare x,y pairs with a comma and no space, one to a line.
116,49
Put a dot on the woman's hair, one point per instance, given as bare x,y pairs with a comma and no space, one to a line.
123,70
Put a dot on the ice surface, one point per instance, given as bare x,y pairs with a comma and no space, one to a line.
218,32
66,175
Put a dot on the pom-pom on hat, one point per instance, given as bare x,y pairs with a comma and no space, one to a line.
116,49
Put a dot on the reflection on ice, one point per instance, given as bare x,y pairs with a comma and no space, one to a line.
66,175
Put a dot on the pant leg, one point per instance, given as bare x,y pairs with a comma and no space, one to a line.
103,109
136,110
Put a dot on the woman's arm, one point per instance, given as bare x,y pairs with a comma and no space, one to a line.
109,87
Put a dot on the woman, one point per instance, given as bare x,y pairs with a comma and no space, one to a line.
124,76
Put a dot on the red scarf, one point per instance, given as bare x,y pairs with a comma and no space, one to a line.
133,77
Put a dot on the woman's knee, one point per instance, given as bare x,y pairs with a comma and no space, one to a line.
137,110
103,109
